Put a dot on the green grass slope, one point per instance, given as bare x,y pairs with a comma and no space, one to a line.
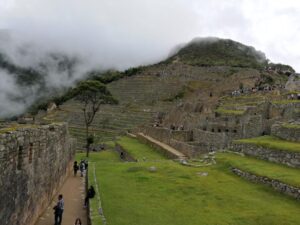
176,195
262,168
219,52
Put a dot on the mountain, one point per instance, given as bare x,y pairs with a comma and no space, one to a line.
218,52
181,90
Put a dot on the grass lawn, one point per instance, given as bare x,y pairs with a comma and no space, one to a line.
138,150
291,126
262,168
273,143
175,195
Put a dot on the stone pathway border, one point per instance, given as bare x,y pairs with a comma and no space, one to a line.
101,213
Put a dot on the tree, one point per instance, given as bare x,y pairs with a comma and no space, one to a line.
92,94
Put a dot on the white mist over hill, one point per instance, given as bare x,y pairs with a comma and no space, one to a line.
106,34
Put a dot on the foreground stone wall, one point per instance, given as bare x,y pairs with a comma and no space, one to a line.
291,159
33,164
275,184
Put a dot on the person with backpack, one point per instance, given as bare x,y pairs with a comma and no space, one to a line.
90,194
58,210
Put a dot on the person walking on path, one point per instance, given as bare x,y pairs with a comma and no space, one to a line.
58,210
86,164
75,168
81,167
78,222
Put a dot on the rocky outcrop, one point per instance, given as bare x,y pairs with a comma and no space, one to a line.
33,163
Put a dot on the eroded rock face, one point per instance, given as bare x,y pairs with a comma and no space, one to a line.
293,83
33,163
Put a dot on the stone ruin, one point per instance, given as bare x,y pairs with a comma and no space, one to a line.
216,132
34,162
293,83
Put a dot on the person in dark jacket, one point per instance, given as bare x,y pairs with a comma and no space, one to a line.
58,210
90,194
75,168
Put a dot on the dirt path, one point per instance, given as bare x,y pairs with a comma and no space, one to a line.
73,192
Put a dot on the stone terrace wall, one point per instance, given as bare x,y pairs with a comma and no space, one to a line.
275,184
165,135
214,140
33,164
291,159
290,134
188,148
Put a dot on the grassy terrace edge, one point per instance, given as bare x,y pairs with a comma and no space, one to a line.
262,168
133,147
271,143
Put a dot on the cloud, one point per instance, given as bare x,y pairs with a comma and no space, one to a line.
120,34
12,97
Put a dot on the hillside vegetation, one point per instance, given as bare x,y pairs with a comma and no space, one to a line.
219,52
193,79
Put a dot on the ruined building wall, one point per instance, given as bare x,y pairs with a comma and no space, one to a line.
33,164
286,133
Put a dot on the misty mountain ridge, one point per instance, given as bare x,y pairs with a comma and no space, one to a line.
53,73
22,85
214,51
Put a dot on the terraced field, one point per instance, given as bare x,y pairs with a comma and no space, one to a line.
272,143
161,191
140,98
262,168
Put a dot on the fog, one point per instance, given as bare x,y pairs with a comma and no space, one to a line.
105,34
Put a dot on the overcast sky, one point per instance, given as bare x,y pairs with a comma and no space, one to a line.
123,33
106,34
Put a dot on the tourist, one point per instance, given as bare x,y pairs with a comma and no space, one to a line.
75,168
78,222
58,210
122,155
86,164
81,167
90,194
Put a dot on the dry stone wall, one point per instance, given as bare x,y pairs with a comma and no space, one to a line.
165,135
291,159
189,149
287,133
33,164
275,184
